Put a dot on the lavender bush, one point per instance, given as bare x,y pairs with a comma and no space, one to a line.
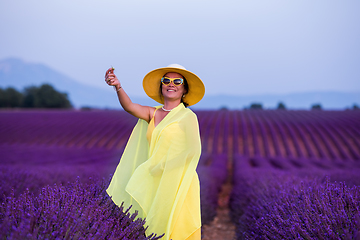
75,211
285,205
32,167
17,179
212,177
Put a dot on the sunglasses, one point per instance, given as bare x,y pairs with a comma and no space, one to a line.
176,81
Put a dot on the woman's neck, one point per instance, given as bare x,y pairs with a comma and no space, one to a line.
168,105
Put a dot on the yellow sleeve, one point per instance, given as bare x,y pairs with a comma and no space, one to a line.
135,153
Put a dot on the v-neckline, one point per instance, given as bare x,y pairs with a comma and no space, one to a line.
155,125
172,110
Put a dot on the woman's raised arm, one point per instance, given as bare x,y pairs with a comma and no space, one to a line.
139,111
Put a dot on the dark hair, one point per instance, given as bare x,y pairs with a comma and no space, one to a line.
186,87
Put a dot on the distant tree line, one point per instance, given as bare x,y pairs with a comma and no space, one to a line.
281,106
44,96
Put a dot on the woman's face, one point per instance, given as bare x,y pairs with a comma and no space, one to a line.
171,91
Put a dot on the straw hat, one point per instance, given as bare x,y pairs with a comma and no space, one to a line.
152,80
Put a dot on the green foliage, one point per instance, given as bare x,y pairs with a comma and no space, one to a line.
316,106
29,97
86,108
355,107
256,106
281,106
44,96
10,98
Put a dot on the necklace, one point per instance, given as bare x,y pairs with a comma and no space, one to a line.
165,109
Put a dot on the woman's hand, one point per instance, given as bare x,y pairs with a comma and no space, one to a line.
111,79
139,111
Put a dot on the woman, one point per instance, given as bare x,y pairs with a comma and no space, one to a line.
156,173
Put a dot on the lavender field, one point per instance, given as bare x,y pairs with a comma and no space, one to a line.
294,174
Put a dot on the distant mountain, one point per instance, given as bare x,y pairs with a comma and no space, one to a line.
19,74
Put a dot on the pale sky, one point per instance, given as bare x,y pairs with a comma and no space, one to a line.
236,47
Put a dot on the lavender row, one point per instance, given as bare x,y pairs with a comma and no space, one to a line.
290,137
79,129
211,177
33,174
295,205
27,178
76,211
213,163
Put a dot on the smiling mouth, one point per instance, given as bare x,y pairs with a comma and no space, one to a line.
170,90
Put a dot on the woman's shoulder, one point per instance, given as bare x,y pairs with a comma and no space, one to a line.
189,114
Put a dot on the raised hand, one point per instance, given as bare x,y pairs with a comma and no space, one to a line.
111,79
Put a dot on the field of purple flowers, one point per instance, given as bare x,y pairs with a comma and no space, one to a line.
294,173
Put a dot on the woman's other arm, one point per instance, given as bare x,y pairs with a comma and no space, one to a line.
139,111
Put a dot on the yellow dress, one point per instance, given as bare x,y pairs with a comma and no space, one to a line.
151,127
159,179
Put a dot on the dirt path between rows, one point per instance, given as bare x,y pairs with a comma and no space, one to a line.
221,227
